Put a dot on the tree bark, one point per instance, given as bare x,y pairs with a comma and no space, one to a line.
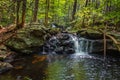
53,11
35,11
74,9
17,13
13,7
46,12
104,35
86,3
23,12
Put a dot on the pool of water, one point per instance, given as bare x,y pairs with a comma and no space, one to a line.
64,67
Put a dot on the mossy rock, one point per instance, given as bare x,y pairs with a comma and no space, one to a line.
29,39
90,34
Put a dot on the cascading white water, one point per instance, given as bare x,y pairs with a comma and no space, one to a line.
76,43
82,46
78,49
91,46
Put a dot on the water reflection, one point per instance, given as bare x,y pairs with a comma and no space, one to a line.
65,67
85,68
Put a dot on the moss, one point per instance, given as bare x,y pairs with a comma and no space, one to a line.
28,39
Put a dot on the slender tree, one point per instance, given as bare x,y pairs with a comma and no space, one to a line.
53,10
17,13
58,2
86,3
23,12
74,9
35,11
13,9
46,12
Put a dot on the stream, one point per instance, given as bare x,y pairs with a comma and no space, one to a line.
64,67
78,66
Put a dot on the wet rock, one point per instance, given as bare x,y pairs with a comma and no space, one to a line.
68,43
5,67
19,78
59,50
69,50
5,53
10,57
29,39
97,40
64,36
54,41
60,44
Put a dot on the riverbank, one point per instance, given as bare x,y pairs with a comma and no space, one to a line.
38,39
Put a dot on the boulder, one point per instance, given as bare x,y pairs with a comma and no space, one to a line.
59,50
69,50
29,39
90,34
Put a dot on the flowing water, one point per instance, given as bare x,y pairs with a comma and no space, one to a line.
76,44
82,45
78,66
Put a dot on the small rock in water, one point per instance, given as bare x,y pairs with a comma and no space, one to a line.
5,67
44,53
19,77
68,77
72,75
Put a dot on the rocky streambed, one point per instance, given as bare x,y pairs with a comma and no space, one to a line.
38,39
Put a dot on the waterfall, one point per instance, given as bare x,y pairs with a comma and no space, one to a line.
76,44
82,46
91,46
68,43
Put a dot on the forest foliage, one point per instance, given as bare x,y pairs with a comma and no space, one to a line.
77,13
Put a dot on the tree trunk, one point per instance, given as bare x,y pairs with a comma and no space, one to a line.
53,11
69,13
35,11
46,12
65,12
17,13
13,7
105,41
74,9
58,2
23,12
86,3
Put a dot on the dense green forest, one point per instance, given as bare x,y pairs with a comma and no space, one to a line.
59,39
77,13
